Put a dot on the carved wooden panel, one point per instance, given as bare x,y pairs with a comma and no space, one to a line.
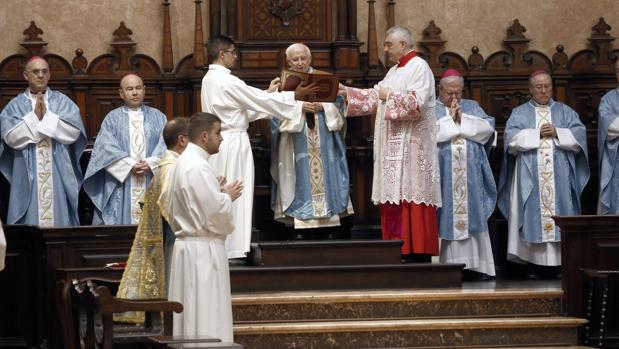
261,59
311,23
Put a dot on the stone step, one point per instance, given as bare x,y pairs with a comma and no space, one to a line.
346,277
393,304
526,331
325,252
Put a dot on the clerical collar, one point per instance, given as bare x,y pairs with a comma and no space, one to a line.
30,95
219,67
198,150
407,57
131,111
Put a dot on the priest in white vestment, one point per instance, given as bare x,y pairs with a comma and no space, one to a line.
200,211
237,104
125,156
465,135
43,138
544,171
406,183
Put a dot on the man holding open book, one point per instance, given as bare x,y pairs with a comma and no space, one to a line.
308,160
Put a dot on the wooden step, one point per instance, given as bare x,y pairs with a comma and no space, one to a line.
392,304
349,277
526,331
325,252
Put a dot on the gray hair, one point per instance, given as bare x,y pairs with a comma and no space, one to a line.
401,33
296,46
451,79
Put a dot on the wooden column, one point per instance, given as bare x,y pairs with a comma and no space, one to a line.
390,19
198,43
373,62
215,17
352,20
342,21
168,56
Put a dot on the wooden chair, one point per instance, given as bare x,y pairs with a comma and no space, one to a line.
96,310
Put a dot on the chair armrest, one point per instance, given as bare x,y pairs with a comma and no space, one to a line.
108,304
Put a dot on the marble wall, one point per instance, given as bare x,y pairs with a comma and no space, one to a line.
88,24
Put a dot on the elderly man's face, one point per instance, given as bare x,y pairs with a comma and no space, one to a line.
450,90
395,47
132,91
37,74
541,88
299,60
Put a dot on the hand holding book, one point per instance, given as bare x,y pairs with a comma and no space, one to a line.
311,87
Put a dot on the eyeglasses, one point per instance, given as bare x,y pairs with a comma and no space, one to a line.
37,72
233,51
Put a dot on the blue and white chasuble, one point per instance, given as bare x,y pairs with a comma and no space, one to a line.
467,186
40,159
608,142
541,178
309,168
125,137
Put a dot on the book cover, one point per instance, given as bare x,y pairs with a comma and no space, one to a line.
327,83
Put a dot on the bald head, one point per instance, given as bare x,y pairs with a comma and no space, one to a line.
37,74
176,134
132,90
298,57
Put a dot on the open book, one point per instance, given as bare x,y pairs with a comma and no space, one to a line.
328,84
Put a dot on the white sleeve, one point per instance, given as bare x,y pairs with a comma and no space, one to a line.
565,140
333,117
524,140
447,129
24,133
613,129
121,168
153,163
51,126
216,212
475,129
279,104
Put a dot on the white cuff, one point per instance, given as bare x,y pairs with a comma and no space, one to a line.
565,140
121,168
24,133
613,129
524,140
476,129
447,129
153,163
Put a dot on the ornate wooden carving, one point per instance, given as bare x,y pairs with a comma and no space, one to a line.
559,59
601,41
342,21
199,62
145,65
58,66
123,44
33,43
79,62
168,56
476,60
517,43
285,9
433,44
309,25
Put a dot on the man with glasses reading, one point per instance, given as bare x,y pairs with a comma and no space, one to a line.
544,171
125,156
42,140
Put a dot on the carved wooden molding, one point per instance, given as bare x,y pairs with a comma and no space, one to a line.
199,61
167,55
123,44
285,9
33,43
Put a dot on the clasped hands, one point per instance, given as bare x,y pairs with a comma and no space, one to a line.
455,111
140,168
233,189
39,107
548,131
